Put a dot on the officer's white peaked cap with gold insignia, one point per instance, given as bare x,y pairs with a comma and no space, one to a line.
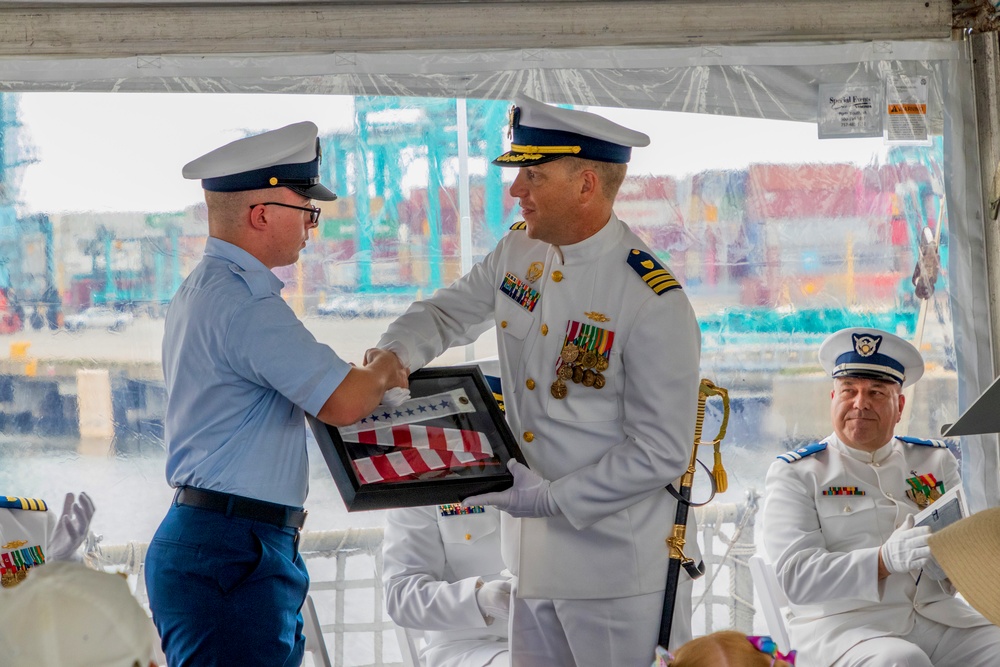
68,614
288,157
871,353
541,133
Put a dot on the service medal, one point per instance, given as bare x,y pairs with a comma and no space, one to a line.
589,377
565,372
558,390
589,359
599,381
569,353
577,374
602,363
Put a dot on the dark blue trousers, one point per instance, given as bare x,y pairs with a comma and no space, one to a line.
226,591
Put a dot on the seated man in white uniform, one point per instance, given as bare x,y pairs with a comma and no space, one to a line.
838,526
442,574
30,534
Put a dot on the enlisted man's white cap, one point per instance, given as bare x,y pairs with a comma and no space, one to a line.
288,157
871,353
541,133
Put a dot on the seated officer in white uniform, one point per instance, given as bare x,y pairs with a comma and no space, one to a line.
442,574
838,526
30,534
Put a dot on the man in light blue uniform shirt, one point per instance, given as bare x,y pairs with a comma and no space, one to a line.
226,582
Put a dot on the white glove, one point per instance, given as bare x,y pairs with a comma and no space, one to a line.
907,549
395,397
71,529
493,598
529,497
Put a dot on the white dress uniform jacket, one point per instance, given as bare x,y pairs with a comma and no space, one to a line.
824,548
608,452
431,563
25,527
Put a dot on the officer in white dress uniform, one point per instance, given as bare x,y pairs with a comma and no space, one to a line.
442,572
863,587
599,352
30,534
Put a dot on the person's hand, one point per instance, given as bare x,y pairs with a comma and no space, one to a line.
907,549
387,363
71,529
528,497
493,598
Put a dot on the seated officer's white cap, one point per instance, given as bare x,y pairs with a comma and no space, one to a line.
871,353
288,157
68,615
542,133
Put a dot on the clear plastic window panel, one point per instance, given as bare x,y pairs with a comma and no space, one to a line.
779,238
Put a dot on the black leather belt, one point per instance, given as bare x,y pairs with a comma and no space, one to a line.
281,516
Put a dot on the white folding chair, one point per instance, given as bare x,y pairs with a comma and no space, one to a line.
314,635
408,646
772,600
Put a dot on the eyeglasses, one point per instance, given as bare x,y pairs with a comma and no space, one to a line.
313,210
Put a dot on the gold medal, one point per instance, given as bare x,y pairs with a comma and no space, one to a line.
566,372
589,359
577,374
589,377
599,381
569,353
602,363
558,390
11,579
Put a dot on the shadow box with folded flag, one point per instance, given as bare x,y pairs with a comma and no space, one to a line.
448,441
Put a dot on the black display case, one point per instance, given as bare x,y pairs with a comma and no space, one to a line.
447,442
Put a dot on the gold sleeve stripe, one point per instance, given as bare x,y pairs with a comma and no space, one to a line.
519,226
665,281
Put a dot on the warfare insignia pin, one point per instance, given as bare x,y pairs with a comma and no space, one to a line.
15,544
535,271
866,345
598,317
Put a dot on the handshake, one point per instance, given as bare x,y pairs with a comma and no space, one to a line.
908,550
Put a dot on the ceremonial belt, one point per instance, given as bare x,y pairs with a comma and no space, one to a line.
231,505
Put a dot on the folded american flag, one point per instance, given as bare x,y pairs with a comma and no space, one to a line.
421,449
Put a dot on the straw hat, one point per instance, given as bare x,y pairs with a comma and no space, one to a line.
969,553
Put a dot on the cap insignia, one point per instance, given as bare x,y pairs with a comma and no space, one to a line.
866,345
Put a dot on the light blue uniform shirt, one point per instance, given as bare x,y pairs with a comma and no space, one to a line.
240,369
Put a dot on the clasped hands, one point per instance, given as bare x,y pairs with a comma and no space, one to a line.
399,392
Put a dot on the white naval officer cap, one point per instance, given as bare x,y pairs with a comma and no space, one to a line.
288,157
68,615
871,353
542,133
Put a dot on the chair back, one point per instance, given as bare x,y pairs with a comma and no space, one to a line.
772,600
